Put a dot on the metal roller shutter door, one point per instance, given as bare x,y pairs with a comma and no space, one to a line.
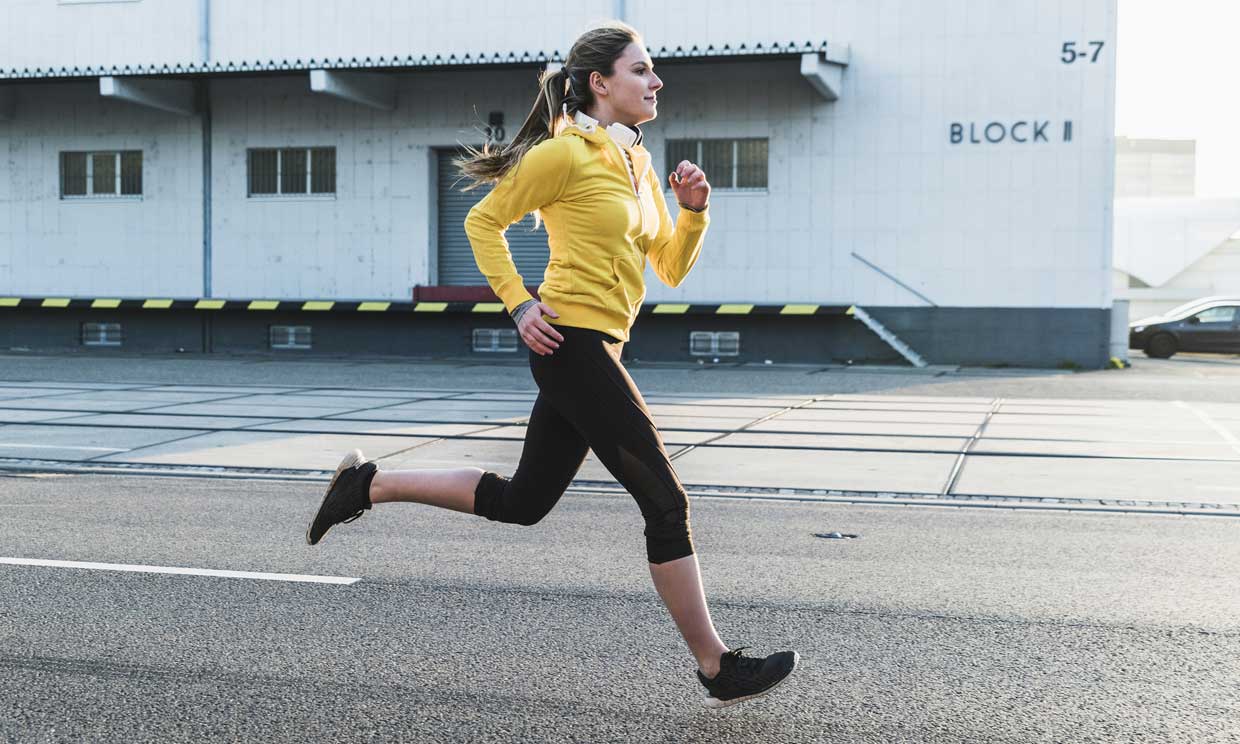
456,258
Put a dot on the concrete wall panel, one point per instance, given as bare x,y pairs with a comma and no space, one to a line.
115,246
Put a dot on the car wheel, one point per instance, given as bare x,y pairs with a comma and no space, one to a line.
1162,346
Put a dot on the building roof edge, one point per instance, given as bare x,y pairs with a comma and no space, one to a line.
709,51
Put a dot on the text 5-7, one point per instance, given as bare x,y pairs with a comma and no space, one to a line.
1070,54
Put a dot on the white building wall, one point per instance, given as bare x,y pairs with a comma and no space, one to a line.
1170,248
118,247
965,224
1214,274
1004,224
1149,167
1217,273
376,237
47,33
52,34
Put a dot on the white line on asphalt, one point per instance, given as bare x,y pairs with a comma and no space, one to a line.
24,445
187,571
1217,427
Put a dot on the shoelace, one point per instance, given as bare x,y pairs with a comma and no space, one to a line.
736,652
744,664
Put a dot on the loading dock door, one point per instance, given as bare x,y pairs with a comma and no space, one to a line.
456,258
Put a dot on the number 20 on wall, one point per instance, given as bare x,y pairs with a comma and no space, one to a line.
1070,54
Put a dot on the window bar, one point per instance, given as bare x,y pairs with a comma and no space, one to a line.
279,171
90,174
736,159
116,158
309,168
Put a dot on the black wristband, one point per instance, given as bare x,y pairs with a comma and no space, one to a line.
691,209
520,310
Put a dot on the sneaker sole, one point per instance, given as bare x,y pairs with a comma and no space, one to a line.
713,702
353,459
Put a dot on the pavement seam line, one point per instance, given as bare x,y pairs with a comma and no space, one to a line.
154,410
437,439
70,415
958,466
454,393
157,444
1217,427
709,442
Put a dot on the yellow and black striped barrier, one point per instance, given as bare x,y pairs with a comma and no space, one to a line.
384,306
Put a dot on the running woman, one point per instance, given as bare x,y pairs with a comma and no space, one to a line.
579,165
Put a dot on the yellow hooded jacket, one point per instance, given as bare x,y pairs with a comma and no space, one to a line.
600,231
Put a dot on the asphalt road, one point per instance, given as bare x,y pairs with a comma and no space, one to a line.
949,624
936,624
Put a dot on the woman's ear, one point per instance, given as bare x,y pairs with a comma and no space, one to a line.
598,83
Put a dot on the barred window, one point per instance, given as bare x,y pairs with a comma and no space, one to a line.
729,163
100,174
291,170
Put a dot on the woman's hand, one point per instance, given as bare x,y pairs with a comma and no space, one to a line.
537,333
689,183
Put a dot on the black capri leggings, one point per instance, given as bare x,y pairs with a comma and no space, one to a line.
587,400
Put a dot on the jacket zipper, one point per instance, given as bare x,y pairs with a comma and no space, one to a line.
631,174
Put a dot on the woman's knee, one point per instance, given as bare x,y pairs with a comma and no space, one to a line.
528,517
668,535
497,499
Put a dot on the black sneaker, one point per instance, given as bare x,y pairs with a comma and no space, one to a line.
741,677
347,498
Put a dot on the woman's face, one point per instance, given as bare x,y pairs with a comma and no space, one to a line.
631,89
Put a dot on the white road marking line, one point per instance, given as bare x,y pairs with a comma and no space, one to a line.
24,445
1217,427
186,571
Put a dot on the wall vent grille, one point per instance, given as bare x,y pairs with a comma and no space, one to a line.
291,337
495,340
714,343
102,334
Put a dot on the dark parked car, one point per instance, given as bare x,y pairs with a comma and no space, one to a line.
1208,324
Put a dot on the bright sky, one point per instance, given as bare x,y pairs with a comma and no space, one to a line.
1176,79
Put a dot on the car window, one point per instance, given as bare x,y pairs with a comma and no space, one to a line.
1185,310
1217,315
1181,310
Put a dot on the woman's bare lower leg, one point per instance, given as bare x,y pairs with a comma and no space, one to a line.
679,583
446,488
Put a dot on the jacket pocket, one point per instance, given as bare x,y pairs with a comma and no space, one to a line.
559,279
629,286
